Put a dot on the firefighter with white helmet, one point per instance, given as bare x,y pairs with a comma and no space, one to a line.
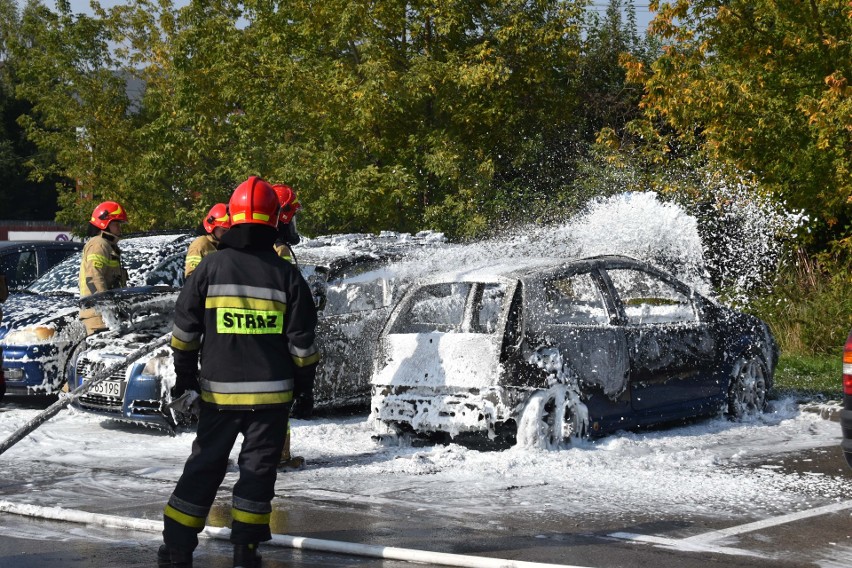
251,316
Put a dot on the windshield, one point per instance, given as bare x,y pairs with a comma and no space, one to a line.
140,256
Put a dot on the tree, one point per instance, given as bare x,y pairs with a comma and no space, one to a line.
20,197
760,85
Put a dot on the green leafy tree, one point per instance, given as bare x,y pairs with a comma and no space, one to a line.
80,117
761,85
383,115
20,197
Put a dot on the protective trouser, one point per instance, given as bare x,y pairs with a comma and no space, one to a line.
263,438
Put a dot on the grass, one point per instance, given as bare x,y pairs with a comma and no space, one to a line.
809,375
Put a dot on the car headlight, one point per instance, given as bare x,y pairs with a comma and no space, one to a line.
155,366
30,335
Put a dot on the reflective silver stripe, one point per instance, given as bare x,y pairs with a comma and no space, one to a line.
247,387
247,292
185,336
252,506
299,352
188,508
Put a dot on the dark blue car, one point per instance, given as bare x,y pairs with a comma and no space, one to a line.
40,333
22,262
540,351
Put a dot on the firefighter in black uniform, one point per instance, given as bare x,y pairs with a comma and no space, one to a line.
252,316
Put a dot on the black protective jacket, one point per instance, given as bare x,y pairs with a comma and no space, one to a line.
252,316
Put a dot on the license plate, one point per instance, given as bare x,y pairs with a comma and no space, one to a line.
107,388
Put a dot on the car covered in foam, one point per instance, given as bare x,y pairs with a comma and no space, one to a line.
41,333
541,351
351,277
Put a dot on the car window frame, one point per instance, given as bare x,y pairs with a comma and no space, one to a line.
694,298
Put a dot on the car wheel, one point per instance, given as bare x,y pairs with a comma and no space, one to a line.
551,419
749,384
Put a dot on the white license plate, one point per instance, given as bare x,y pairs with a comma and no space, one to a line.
107,388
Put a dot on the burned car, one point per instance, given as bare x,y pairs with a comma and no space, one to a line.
543,351
41,333
353,286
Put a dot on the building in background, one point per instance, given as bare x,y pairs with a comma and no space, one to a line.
34,231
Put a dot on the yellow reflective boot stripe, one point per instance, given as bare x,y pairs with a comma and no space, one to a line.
244,303
250,518
183,518
246,399
305,361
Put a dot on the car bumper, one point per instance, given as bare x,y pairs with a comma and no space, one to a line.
454,411
33,369
141,403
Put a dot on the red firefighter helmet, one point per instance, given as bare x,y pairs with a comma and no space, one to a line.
254,201
217,217
105,213
289,202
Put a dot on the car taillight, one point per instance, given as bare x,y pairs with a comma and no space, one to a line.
847,366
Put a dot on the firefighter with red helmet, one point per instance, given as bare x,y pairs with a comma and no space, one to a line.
251,316
100,267
215,224
288,236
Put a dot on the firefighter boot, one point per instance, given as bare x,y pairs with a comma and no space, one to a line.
287,461
168,558
246,556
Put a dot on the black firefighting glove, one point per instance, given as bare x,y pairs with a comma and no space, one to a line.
183,384
186,372
303,396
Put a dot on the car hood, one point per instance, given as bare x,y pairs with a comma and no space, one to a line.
136,309
23,310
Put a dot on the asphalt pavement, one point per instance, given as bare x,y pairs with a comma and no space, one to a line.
820,536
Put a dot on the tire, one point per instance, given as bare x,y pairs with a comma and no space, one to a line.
750,382
551,419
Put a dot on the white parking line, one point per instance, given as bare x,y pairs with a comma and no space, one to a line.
703,542
683,545
770,522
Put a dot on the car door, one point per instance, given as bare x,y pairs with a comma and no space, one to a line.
575,315
671,350
356,306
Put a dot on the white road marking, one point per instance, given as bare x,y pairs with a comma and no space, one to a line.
682,544
770,522
703,542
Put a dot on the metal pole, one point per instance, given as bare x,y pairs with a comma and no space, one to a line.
67,398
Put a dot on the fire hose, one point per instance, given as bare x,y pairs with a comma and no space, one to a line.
67,398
